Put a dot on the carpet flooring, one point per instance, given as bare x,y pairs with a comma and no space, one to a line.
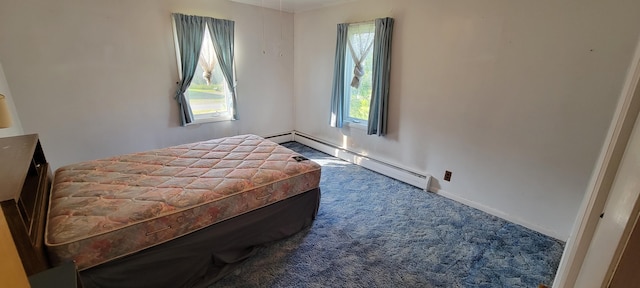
374,231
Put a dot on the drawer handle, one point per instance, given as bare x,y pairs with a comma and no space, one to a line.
159,230
262,197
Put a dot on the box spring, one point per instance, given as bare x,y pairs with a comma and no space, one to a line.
203,257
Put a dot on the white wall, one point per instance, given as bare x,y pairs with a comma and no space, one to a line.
514,97
97,77
16,125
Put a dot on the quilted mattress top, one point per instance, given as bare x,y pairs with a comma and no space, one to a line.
95,197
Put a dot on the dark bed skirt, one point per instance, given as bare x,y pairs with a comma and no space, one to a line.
203,257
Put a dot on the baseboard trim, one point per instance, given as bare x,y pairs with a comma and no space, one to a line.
280,137
394,171
413,178
499,214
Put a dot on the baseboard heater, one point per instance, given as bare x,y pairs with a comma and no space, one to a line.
402,174
280,137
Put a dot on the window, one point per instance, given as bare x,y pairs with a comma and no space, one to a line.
204,49
362,69
358,63
208,94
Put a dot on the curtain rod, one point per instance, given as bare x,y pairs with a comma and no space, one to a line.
366,21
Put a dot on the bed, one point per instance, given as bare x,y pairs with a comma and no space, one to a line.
181,216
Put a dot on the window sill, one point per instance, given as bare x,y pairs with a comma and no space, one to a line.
210,120
356,125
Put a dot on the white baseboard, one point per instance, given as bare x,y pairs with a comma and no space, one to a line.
390,170
410,177
280,137
499,214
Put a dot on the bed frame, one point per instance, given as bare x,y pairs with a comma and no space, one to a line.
194,260
201,258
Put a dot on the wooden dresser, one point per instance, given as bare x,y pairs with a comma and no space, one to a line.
25,179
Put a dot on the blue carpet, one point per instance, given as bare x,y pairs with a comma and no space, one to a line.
373,231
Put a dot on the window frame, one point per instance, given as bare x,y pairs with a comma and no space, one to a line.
349,66
377,123
207,117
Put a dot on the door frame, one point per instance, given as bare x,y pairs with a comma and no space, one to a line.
603,176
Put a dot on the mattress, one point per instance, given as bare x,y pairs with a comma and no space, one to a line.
105,209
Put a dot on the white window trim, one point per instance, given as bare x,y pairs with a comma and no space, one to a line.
176,45
350,121
227,116
212,119
360,125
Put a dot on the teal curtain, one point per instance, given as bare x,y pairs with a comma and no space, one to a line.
337,93
189,31
381,73
222,34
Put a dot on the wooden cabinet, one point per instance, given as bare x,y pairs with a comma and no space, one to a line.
25,180
11,270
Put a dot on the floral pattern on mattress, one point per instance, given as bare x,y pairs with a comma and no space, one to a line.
104,209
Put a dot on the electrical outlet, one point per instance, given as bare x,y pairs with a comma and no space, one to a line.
447,175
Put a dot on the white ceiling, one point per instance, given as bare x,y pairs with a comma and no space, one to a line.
293,6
